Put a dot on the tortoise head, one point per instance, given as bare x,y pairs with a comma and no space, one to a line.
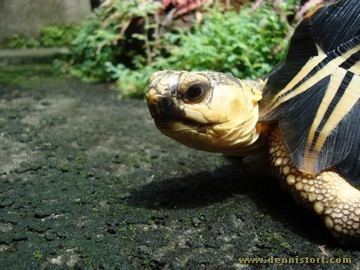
208,111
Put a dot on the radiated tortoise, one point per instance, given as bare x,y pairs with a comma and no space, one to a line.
304,117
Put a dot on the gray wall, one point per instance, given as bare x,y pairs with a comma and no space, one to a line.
27,17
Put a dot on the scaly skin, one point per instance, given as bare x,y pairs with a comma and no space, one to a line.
328,194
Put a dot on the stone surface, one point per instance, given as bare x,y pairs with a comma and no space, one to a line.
28,17
87,182
27,56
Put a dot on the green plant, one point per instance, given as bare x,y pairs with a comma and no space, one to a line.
91,48
245,43
104,38
50,36
131,83
18,42
126,41
58,35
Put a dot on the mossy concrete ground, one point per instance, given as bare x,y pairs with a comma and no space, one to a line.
87,182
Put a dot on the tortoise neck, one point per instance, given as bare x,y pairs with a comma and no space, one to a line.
257,144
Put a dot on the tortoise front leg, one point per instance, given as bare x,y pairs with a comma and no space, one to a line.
328,194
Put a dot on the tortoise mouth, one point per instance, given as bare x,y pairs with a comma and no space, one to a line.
166,113
171,123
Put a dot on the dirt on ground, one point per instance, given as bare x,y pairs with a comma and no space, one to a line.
87,182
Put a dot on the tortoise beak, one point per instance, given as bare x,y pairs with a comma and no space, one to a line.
160,105
163,107
153,96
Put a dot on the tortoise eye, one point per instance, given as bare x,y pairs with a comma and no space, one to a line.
195,93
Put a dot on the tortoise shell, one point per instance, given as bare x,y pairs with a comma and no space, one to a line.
314,93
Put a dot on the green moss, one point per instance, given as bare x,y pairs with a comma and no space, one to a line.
38,255
50,36
27,75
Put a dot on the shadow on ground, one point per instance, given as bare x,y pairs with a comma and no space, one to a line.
230,183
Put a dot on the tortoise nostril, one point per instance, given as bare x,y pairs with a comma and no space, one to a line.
152,97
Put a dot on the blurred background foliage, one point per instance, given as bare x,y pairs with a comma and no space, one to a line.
126,41
51,36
